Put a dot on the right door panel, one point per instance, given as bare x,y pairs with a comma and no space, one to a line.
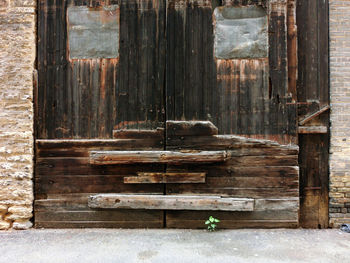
243,91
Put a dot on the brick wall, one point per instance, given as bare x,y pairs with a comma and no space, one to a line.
339,207
17,55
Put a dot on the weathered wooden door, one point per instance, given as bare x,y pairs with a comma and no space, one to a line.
124,87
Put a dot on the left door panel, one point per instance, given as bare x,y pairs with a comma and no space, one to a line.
100,64
87,88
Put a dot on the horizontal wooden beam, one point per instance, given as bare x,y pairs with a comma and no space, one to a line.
138,134
191,128
170,202
277,204
314,115
312,129
116,144
130,157
165,178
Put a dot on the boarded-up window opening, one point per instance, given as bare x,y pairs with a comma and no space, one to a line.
93,32
241,32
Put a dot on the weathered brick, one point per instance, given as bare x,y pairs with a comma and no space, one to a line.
17,56
4,225
22,225
339,29
19,212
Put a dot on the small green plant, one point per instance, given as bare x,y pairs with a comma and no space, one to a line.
212,223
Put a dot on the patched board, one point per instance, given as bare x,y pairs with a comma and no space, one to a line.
93,32
241,32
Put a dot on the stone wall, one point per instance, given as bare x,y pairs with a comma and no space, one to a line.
17,56
339,207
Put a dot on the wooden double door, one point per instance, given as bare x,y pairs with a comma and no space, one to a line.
130,77
166,67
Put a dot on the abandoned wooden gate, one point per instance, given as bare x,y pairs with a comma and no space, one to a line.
144,109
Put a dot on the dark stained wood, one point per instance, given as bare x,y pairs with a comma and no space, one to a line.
282,110
181,223
72,211
237,192
314,115
257,97
313,99
85,98
138,134
194,128
98,224
244,91
52,145
64,179
61,184
282,212
314,180
292,48
166,70
276,204
254,219
244,2
256,182
257,169
170,202
191,76
81,166
263,151
165,178
219,142
269,160
171,157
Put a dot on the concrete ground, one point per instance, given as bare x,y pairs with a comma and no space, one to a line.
167,246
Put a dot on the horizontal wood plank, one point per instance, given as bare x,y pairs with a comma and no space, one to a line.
232,224
267,160
165,178
109,215
116,144
170,202
130,157
81,166
138,134
99,224
220,142
291,204
247,192
190,128
61,184
312,129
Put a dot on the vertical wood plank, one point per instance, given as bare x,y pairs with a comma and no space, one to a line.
190,86
313,85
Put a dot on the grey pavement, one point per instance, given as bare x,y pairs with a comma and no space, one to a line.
162,245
